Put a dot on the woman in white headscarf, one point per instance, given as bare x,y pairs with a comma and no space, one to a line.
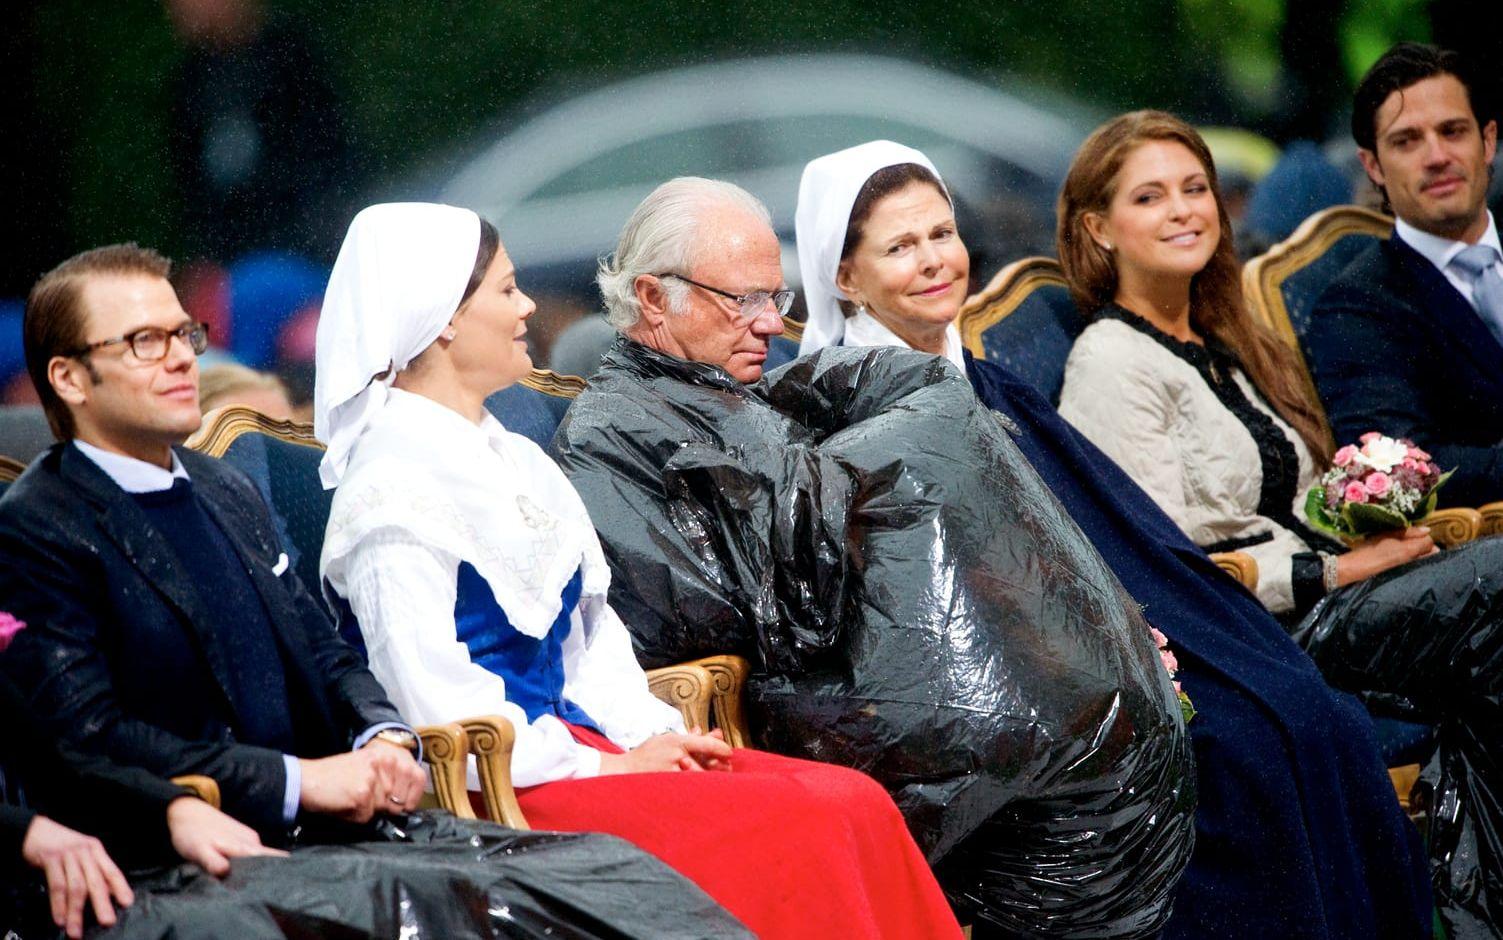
479,586
1286,767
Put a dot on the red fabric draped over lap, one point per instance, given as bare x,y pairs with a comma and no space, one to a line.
791,847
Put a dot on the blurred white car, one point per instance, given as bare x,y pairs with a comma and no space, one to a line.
560,185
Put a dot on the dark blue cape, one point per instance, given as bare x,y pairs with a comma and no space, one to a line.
1298,831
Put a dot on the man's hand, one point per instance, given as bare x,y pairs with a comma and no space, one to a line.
208,838
692,751
78,870
379,778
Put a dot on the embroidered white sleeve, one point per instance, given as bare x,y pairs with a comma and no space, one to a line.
601,675
403,594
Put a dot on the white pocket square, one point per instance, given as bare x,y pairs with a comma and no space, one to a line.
280,566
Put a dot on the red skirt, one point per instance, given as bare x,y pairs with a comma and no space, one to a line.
791,847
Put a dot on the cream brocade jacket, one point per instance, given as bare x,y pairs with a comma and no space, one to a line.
1204,450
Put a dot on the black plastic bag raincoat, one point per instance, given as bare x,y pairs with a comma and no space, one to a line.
915,604
1425,642
436,876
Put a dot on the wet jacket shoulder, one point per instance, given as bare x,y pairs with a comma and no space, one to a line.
1395,348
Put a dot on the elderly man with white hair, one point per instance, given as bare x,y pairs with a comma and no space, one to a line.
733,303
913,601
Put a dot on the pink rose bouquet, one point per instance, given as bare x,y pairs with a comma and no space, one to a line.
9,627
1379,483
1171,666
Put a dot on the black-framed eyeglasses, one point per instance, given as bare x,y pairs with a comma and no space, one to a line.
752,303
150,344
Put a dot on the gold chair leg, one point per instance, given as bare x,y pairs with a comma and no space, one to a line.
446,752
490,739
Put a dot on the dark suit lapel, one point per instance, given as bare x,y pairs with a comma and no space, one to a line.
1448,315
149,552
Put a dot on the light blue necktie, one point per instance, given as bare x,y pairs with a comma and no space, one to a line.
1478,264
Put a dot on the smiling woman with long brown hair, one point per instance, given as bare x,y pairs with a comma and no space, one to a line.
1208,412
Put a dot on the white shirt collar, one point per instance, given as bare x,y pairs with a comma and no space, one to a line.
130,474
1440,251
863,329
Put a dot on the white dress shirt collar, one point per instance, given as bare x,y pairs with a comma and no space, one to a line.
130,474
863,329
1440,251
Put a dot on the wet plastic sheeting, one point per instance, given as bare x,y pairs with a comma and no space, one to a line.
437,877
1425,642
916,605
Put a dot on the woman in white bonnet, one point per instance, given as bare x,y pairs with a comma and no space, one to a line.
479,586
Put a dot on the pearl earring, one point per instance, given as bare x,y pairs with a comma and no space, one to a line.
448,333
1107,245
861,310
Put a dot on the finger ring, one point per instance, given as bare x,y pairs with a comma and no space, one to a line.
394,799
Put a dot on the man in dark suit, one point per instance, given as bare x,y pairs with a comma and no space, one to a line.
166,630
1408,340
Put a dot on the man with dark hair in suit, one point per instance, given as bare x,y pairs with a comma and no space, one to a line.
1408,340
166,630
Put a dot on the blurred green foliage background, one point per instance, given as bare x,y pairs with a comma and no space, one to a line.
419,78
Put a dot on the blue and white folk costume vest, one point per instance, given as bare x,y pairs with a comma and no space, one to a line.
479,586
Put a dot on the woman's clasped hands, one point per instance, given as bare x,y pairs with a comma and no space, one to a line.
693,750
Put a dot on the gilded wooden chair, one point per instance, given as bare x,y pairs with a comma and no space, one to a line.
1025,320
534,406
1283,283
1282,286
9,470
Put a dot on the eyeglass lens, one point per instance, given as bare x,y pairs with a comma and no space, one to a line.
754,303
151,344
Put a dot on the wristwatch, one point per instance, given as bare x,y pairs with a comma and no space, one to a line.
398,737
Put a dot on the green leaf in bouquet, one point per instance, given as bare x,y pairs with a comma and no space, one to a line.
1318,515
1427,505
1186,707
1370,518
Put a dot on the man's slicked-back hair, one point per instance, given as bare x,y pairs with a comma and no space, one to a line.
1400,67
53,324
659,238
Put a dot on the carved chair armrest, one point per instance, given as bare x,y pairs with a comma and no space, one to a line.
490,739
728,674
687,687
1492,518
1453,527
446,752
1239,565
1403,779
205,788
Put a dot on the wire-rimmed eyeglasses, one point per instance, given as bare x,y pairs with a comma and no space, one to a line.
752,303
